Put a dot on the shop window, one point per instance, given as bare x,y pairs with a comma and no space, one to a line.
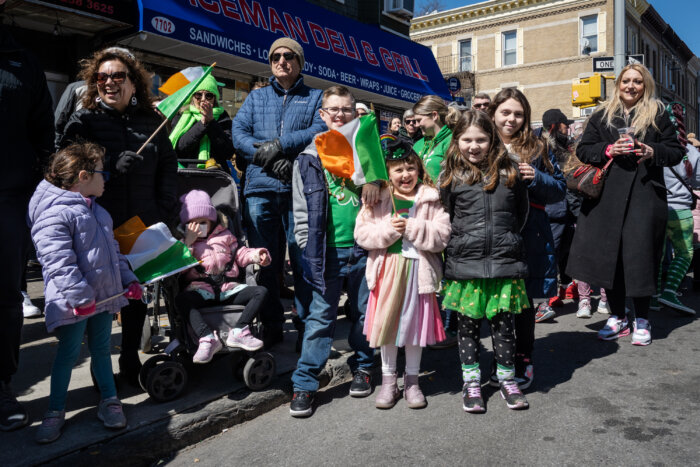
589,34
465,55
510,48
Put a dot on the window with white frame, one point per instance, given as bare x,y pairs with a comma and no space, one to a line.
589,34
465,55
510,48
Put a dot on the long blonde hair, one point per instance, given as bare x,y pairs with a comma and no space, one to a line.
428,104
645,110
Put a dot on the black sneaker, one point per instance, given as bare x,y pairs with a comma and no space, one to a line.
361,385
524,372
301,404
12,414
514,397
472,401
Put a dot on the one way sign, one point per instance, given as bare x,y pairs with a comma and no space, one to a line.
601,64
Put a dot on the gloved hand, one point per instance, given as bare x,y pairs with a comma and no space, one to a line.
126,161
282,170
134,291
84,310
267,152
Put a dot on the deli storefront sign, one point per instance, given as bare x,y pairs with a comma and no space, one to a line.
336,48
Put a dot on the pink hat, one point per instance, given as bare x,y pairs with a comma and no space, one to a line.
196,203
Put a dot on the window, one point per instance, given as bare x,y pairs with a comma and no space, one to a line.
510,48
465,55
589,34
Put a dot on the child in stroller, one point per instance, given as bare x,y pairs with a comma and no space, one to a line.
213,282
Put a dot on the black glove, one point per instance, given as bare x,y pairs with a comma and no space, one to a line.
282,170
267,152
126,161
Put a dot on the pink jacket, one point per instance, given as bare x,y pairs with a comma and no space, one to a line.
216,252
429,232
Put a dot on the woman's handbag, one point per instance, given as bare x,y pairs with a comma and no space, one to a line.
587,180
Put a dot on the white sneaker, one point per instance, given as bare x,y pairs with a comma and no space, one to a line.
603,308
584,309
28,308
642,332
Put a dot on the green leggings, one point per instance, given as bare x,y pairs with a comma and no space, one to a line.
680,233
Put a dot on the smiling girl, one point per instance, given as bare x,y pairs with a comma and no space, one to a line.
404,270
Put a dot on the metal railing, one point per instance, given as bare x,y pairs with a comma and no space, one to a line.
455,64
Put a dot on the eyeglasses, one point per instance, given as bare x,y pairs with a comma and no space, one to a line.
410,121
105,174
118,77
207,95
480,106
288,56
333,111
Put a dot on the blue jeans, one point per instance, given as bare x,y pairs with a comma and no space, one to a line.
319,313
70,339
265,215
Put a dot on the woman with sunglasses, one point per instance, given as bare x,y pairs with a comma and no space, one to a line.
202,130
118,114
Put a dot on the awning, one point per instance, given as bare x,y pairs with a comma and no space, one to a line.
378,66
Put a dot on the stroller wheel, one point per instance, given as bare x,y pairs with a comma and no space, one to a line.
259,371
166,381
150,364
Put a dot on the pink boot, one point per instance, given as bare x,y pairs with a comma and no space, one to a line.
412,392
389,392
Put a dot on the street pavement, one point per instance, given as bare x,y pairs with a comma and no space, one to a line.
592,402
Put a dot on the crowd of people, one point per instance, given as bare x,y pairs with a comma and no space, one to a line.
474,222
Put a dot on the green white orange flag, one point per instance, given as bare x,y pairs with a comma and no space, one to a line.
354,151
171,104
152,252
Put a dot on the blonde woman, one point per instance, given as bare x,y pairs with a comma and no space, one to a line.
436,120
619,237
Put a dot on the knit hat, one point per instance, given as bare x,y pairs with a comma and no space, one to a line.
196,203
554,117
210,84
360,105
292,45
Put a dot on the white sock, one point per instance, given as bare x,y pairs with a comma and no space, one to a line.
389,353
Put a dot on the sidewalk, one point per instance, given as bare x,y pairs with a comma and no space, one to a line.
214,400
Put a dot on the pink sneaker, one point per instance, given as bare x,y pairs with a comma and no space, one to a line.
244,340
208,346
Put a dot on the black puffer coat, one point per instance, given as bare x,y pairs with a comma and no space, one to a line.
149,189
219,133
485,240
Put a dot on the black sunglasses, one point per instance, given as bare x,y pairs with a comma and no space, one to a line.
289,56
105,174
207,95
410,121
118,77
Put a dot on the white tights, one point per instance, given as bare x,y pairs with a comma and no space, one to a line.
389,353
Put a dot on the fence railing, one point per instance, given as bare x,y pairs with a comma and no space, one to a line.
455,64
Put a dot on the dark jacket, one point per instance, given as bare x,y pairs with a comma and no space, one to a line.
149,189
70,101
26,119
485,240
219,132
629,218
273,112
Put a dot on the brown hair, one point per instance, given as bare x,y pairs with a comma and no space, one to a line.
428,104
413,159
496,163
340,91
135,70
67,163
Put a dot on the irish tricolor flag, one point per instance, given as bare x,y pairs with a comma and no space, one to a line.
354,151
152,251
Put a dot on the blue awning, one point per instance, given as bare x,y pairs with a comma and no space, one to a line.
238,33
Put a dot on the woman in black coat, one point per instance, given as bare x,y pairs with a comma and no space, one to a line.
619,237
117,114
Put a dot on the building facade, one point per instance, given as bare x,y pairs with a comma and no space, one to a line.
543,46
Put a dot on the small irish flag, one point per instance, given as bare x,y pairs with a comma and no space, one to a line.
354,151
152,251
181,79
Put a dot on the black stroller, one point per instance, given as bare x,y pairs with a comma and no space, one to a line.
164,376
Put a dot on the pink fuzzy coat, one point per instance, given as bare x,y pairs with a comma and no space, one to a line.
429,232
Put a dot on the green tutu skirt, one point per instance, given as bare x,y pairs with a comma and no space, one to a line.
478,298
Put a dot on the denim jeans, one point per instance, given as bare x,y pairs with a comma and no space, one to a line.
319,312
265,215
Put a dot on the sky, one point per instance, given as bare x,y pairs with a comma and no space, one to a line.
682,15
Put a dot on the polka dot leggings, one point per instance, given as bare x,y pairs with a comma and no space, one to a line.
503,339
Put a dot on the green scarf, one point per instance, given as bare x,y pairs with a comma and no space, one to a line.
188,118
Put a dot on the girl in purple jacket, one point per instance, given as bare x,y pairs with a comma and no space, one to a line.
84,277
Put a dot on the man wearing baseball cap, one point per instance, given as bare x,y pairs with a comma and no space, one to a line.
272,127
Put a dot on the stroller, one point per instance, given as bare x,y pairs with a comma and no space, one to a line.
164,376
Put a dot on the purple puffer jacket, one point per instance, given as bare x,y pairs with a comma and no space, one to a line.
79,256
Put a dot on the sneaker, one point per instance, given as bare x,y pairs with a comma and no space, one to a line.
514,397
472,401
603,308
524,372
50,428
642,332
13,415
614,328
670,299
544,312
301,404
654,304
571,292
28,308
361,385
450,341
208,346
584,309
111,413
244,340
